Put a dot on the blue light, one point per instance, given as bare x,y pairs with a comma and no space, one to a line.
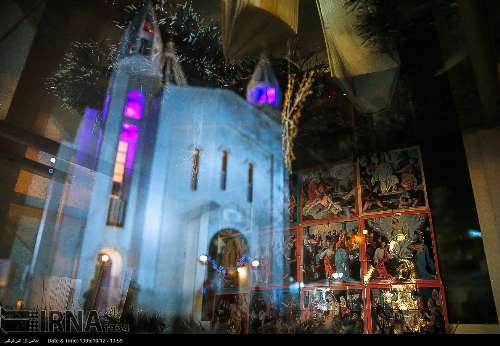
473,233
263,95
51,170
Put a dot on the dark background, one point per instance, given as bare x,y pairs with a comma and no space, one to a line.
430,121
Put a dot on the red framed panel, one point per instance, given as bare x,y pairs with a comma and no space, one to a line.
328,199
333,309
333,252
407,237
395,182
406,308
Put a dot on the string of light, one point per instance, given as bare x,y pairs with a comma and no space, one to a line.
244,260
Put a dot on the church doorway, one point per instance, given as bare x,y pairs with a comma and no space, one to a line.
226,273
104,294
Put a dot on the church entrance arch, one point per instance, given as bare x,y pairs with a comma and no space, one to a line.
226,248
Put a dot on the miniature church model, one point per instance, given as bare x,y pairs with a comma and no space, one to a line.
154,186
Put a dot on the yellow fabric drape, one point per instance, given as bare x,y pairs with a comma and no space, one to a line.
250,26
366,75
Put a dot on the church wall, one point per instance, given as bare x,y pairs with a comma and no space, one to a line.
211,127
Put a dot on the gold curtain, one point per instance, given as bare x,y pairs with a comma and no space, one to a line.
252,26
367,76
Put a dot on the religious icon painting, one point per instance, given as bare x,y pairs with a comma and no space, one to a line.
331,253
230,314
335,311
227,250
400,247
406,309
293,201
392,181
274,311
284,257
328,192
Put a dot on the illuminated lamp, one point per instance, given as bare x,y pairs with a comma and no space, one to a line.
263,95
263,87
203,259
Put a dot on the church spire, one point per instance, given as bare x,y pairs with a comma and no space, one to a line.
143,37
173,70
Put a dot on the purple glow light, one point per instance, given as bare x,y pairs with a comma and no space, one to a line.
263,95
134,105
130,134
271,96
130,127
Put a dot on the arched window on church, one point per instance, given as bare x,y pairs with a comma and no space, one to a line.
250,183
195,169
223,176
